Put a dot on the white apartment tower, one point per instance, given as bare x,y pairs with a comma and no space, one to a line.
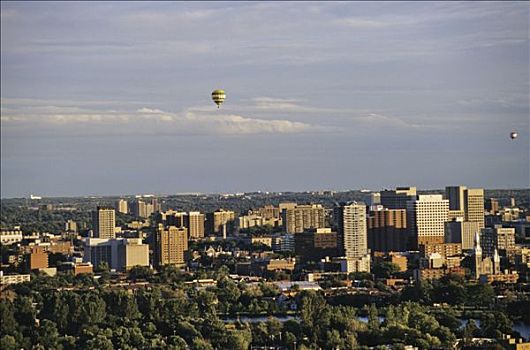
352,230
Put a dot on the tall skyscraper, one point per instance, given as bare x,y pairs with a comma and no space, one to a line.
194,222
104,222
426,216
467,203
220,223
398,198
143,209
122,206
352,230
303,217
474,205
171,245
460,231
455,195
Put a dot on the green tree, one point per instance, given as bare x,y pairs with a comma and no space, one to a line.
373,317
239,339
385,269
8,342
100,342
48,336
140,273
201,344
8,324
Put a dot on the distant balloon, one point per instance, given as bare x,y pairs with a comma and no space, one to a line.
218,96
513,135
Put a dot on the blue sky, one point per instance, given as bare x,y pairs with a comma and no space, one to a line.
114,98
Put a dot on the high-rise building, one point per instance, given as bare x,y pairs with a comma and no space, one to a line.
122,206
120,254
498,237
375,198
398,198
70,226
268,212
142,209
492,206
387,230
505,239
460,231
315,244
426,216
303,217
220,223
466,202
474,205
455,195
171,245
194,222
104,222
352,230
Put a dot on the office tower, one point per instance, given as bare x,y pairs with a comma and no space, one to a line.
498,237
492,206
375,198
387,230
194,222
398,198
121,254
302,217
505,239
70,226
426,216
474,205
104,222
315,244
466,202
122,206
352,230
157,206
220,222
142,209
171,245
455,195
460,231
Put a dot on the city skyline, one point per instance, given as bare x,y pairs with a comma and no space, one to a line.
109,98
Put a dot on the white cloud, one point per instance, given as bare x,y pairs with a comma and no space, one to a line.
149,120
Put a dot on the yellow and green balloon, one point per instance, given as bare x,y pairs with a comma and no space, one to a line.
218,96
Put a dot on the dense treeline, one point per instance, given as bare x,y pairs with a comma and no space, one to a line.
84,313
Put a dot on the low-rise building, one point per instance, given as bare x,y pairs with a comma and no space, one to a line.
8,237
119,253
13,279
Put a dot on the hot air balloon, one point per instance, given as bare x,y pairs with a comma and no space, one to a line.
218,96
513,135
